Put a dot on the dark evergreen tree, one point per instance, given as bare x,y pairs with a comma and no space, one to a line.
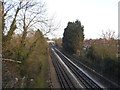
73,37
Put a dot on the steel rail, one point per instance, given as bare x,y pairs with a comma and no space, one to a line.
62,75
87,82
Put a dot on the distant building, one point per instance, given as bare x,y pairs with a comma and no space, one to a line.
88,43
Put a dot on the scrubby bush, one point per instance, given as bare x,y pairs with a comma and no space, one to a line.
33,57
90,53
103,57
109,66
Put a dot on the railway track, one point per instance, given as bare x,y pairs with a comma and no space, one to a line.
82,77
107,82
85,80
63,77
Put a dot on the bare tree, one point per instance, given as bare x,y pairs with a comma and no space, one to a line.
31,16
108,34
22,16
7,16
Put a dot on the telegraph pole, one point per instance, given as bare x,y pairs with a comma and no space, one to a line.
1,9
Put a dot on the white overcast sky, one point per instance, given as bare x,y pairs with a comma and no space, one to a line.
95,15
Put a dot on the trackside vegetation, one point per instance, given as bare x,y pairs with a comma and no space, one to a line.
101,54
34,66
24,48
73,37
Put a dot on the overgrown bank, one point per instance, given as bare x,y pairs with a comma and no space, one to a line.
23,41
33,70
101,54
